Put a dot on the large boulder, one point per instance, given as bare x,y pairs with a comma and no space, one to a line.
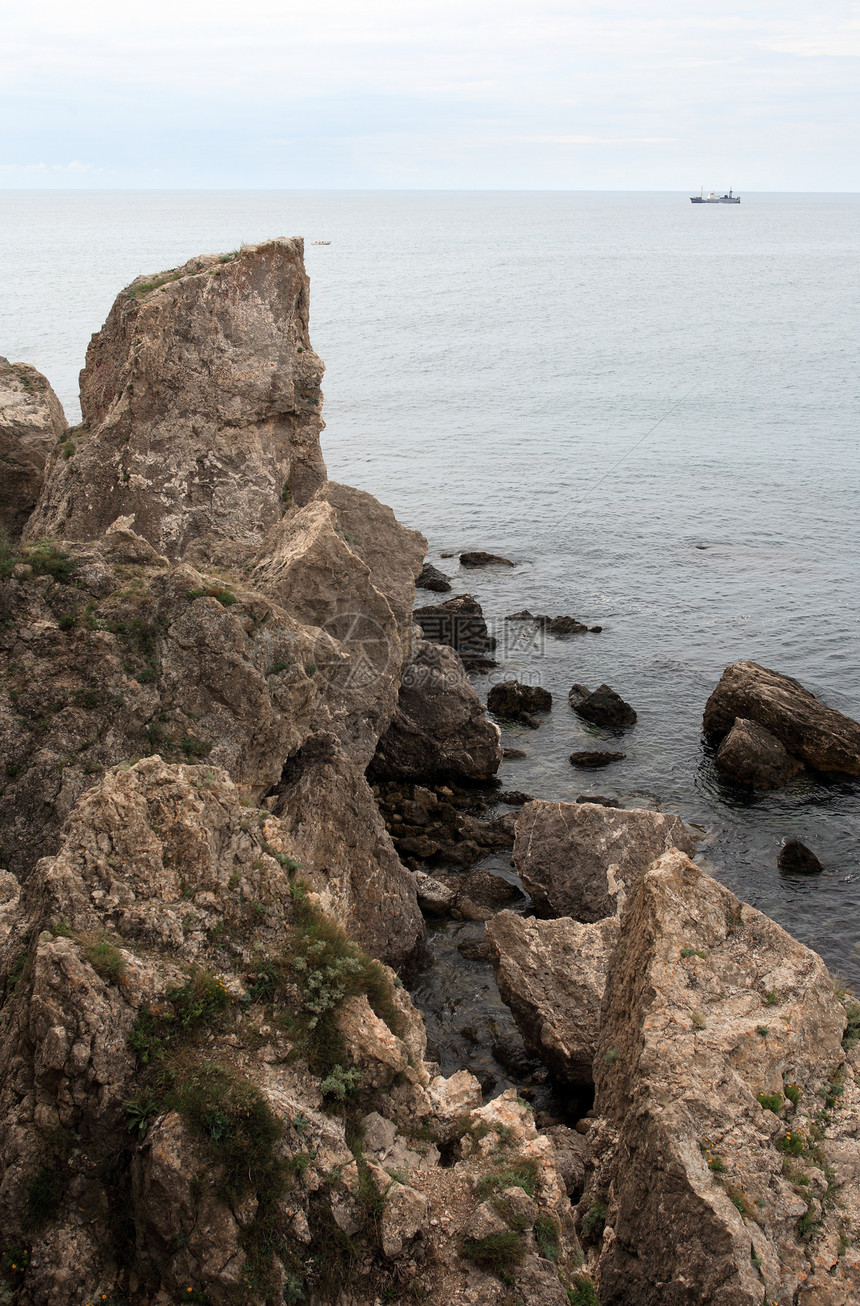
582,859
31,424
816,735
601,706
750,755
440,727
344,564
552,975
459,622
336,831
719,1034
201,410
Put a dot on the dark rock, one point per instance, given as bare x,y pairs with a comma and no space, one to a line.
514,702
572,1158
514,797
479,559
603,707
591,761
600,799
555,625
431,578
32,424
513,754
822,738
525,615
475,950
595,630
459,622
751,755
510,1052
795,856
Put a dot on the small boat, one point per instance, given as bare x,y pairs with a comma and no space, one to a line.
714,198
320,242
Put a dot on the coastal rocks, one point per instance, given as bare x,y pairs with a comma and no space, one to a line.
515,702
592,761
201,410
795,856
554,625
602,706
32,423
750,755
581,859
479,559
440,727
439,826
718,1034
814,734
107,660
459,622
431,578
335,830
552,975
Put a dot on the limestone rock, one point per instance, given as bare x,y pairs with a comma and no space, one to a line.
440,727
709,1008
751,755
32,422
817,735
582,859
601,706
552,975
201,409
325,804
404,1213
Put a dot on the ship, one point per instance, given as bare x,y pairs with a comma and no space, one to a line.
714,198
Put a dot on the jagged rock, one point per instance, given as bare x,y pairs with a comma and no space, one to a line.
515,702
572,1157
477,895
514,797
751,755
32,422
431,578
552,975
709,1007
795,856
600,799
817,735
335,829
581,859
602,706
592,761
358,594
554,625
201,403
133,659
435,897
513,754
459,622
404,1213
440,727
479,559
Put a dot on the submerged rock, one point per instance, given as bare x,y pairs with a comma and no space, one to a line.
751,755
431,578
795,856
554,625
201,410
814,734
552,975
602,706
591,761
581,859
32,423
479,559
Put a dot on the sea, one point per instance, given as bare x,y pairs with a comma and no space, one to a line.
651,407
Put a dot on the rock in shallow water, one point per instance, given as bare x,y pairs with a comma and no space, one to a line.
479,559
460,623
592,761
795,856
431,578
602,706
750,755
516,702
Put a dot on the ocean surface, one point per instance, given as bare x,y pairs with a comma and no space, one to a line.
652,407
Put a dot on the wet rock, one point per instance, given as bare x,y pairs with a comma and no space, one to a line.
552,975
201,410
581,859
751,755
817,735
591,761
513,754
516,702
440,727
459,622
480,889
602,706
795,856
687,1051
475,950
32,423
431,578
600,799
553,625
595,630
435,897
514,797
479,559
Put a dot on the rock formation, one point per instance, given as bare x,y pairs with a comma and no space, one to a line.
582,859
32,424
601,706
750,755
813,734
515,702
459,622
201,410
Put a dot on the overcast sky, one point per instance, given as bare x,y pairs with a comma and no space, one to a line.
665,94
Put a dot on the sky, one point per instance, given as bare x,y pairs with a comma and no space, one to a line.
448,94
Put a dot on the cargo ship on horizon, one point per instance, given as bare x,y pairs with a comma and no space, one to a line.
713,198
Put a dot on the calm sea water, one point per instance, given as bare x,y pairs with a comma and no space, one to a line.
651,406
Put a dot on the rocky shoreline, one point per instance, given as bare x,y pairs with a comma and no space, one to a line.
248,786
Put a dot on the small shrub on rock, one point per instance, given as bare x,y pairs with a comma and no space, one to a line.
499,1253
